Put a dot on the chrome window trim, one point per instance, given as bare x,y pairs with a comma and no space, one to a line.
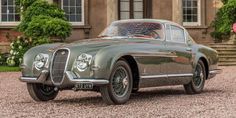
67,60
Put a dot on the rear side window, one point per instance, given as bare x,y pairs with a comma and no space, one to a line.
177,34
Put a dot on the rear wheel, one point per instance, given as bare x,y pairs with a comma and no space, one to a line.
198,81
40,92
119,89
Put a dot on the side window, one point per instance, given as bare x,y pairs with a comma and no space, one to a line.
177,34
168,33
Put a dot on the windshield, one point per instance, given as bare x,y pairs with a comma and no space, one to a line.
134,29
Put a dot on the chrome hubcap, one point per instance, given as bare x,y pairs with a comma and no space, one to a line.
199,76
120,81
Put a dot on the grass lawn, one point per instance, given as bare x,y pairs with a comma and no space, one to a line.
9,69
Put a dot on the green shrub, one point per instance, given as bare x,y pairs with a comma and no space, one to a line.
40,21
3,58
18,47
40,7
224,20
48,27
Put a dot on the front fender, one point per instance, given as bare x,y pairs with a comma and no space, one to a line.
28,59
106,59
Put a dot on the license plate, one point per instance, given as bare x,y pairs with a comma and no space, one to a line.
85,85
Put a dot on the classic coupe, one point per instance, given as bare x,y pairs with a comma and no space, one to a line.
126,56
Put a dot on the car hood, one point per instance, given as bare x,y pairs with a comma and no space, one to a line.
91,45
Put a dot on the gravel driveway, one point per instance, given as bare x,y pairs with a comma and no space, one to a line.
217,100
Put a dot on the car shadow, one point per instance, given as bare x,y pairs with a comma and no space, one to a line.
139,96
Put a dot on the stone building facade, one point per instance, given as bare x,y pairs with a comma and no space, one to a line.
90,17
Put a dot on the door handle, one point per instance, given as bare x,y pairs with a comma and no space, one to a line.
189,49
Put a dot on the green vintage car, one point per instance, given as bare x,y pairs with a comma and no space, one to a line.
126,56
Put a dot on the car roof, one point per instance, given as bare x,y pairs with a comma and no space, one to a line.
150,20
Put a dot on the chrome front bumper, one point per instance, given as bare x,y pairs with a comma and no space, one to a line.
73,79
214,72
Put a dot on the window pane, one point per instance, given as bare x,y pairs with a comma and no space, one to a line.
195,19
124,6
72,18
190,10
78,10
138,15
138,6
177,34
194,10
4,2
194,3
4,9
10,2
65,2
78,18
72,2
72,10
66,9
124,15
10,10
78,2
4,17
11,17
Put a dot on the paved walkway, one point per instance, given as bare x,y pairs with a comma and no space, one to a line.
217,100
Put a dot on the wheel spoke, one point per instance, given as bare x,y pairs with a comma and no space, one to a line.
120,81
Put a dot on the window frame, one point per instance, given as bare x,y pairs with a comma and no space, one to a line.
147,9
82,23
7,23
198,23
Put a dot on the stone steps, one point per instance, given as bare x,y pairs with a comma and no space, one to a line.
227,53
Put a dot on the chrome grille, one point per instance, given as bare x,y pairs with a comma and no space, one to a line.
58,65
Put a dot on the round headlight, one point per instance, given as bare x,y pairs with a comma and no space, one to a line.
40,61
83,61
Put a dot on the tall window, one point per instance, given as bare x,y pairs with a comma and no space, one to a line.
74,10
9,12
135,9
191,12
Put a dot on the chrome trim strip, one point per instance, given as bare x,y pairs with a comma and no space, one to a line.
157,54
73,78
65,65
216,71
154,76
181,75
42,78
28,78
167,75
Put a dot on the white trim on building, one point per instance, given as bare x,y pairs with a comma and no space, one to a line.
198,23
6,23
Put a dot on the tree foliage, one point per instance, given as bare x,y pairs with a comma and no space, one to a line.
40,16
224,20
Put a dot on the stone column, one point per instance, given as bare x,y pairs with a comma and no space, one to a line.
112,11
177,13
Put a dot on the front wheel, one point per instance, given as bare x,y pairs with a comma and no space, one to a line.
198,80
40,92
119,89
